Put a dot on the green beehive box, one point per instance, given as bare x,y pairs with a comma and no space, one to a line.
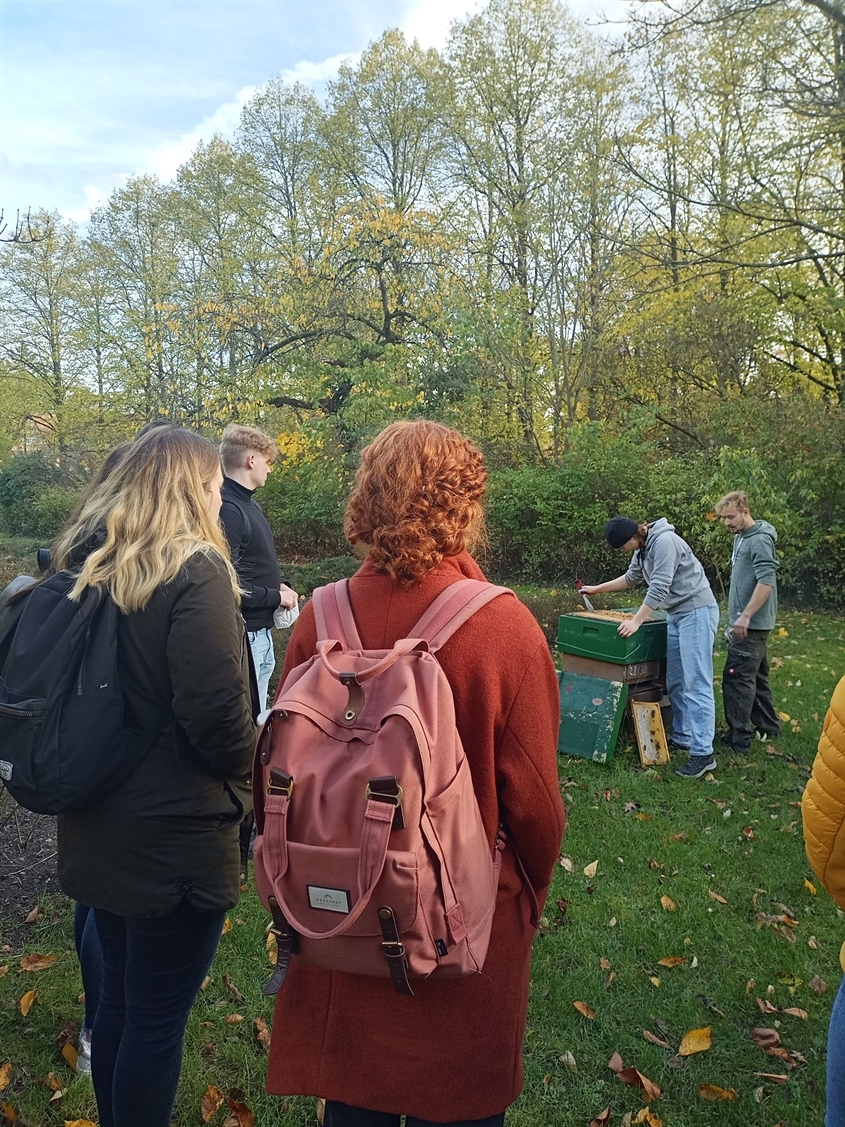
588,635
591,711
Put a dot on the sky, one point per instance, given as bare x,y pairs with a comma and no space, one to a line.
93,92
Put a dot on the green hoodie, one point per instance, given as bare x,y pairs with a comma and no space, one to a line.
754,561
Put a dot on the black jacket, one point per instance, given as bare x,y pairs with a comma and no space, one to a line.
171,830
253,554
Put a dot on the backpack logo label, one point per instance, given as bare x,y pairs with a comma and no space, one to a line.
6,769
328,899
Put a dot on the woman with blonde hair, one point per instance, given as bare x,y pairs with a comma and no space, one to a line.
157,858
452,1053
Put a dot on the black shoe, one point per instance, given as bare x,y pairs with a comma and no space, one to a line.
724,742
674,746
697,766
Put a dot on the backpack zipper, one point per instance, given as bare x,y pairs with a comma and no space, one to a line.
79,686
9,711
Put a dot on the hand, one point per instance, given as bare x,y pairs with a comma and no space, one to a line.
289,597
740,627
584,589
628,627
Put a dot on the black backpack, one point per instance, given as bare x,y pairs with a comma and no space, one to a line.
63,738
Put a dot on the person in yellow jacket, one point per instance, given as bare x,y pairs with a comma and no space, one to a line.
823,810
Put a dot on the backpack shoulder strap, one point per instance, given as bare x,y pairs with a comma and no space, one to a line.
333,615
452,608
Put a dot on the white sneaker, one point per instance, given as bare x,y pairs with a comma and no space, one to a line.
83,1051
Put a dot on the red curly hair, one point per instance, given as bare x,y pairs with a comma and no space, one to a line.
417,498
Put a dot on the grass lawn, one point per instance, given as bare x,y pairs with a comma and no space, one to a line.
709,875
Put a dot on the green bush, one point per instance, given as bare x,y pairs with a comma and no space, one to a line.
36,496
305,577
51,508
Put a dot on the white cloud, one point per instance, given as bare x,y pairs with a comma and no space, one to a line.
94,196
313,73
429,21
167,158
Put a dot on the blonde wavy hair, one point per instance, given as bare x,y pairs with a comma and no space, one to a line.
140,523
417,498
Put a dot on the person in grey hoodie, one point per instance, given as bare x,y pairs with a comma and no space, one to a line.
752,610
677,584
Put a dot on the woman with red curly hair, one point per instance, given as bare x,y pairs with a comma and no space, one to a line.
452,1053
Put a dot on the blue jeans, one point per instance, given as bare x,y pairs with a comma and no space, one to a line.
264,659
689,677
152,973
344,1115
90,957
835,1116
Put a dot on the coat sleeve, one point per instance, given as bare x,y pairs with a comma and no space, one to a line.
205,644
763,560
526,770
664,566
823,804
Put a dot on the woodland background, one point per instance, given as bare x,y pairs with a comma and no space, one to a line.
617,261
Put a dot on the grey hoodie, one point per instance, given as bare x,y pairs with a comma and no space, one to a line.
754,561
676,580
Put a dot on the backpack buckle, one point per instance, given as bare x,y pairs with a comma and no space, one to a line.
387,789
280,782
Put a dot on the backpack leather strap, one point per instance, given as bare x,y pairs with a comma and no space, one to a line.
452,608
333,615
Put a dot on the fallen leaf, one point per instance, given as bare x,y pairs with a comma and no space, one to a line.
775,1077
647,1116
604,963
679,836
615,1064
568,1060
643,817
784,716
5,1075
783,633
668,904
241,1114
817,985
234,1019
671,961
766,1006
57,1096
227,926
714,1092
635,1079
33,916
79,1123
654,1040
37,962
8,1114
813,942
796,1011
609,979
206,982
272,949
591,870
567,863
262,1034
602,1119
696,1041
654,980
211,1102
811,888
233,990
26,1001
612,921
70,1054
764,1038
720,802
585,1010
4,970
715,896
748,833
749,986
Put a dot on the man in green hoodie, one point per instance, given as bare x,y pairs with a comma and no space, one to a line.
752,610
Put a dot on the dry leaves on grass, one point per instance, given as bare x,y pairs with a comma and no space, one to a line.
4,970
8,1115
585,1010
234,1019
26,1002
668,904
655,1040
817,985
568,1060
715,896
32,916
211,1102
79,1123
5,1075
262,1034
241,1116
644,1115
591,869
796,1011
671,961
602,1119
766,1006
714,1092
696,1041
37,962
634,1078
566,863
227,926
764,1038
233,990
70,1054
272,949
811,888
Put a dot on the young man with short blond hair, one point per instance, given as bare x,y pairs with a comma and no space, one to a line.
247,455
752,611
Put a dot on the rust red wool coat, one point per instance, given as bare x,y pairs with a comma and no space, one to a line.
454,1050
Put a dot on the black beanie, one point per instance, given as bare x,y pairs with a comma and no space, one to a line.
619,530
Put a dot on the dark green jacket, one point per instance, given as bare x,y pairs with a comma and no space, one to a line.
171,830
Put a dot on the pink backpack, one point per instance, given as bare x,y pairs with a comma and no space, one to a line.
373,857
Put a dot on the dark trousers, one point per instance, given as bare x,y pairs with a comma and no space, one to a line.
90,959
749,704
342,1115
152,973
